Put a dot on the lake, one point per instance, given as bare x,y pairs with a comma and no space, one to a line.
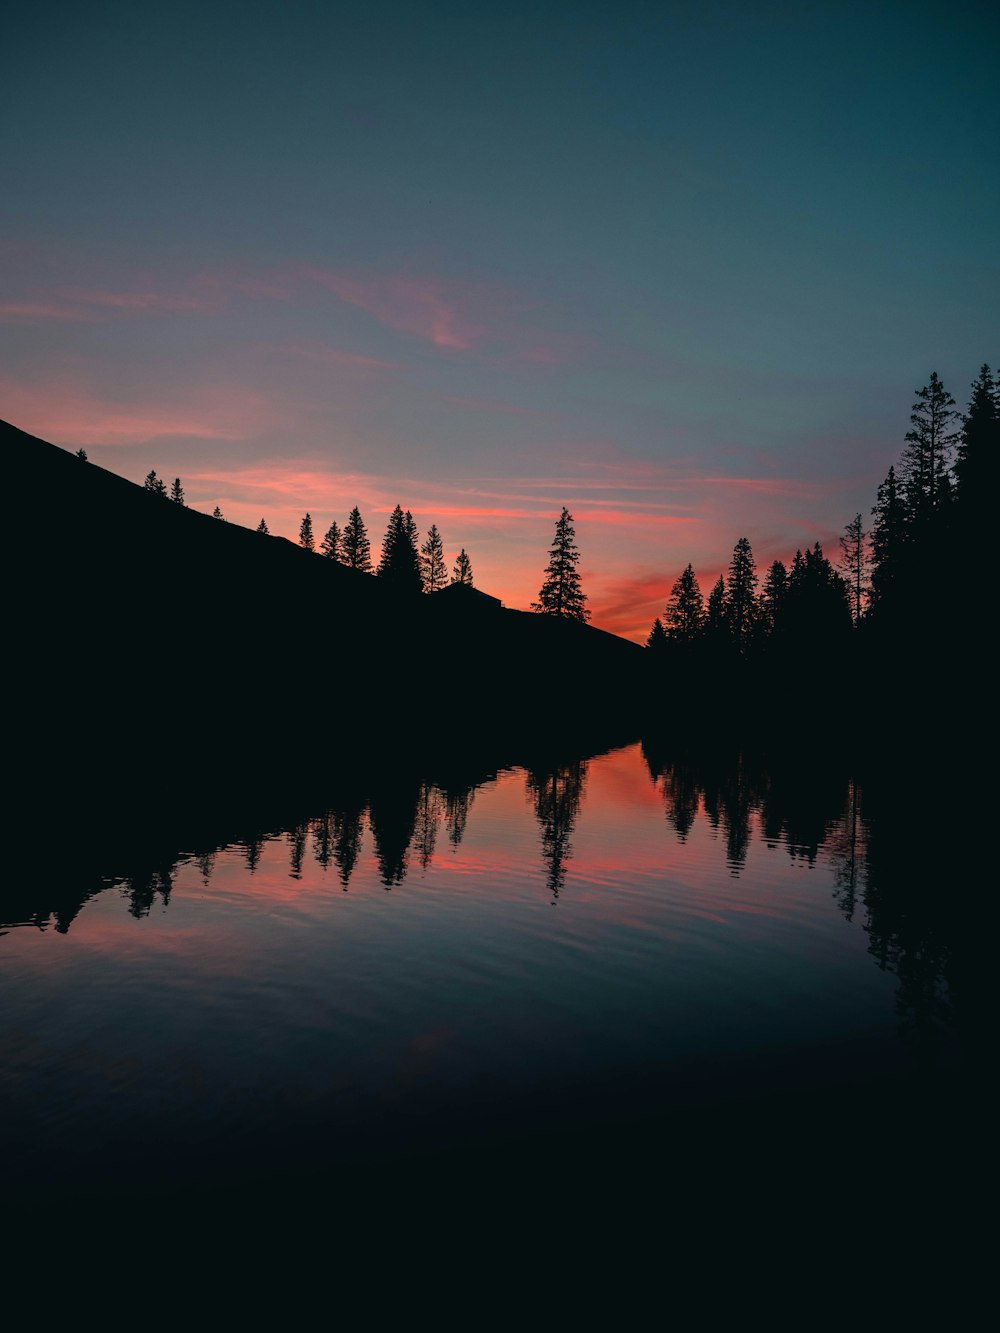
593,959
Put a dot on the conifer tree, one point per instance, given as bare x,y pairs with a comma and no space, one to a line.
889,538
657,640
741,595
82,455
561,593
462,572
772,598
685,612
177,491
330,545
929,445
154,484
217,513
263,529
355,548
715,612
979,446
432,565
400,562
853,565
306,533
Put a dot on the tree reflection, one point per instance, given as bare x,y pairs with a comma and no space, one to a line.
556,795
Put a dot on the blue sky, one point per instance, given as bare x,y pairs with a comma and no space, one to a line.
679,267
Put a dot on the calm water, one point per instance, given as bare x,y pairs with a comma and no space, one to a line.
608,951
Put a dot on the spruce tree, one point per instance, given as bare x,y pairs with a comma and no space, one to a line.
177,492
263,529
929,445
853,564
772,598
657,640
82,455
715,612
561,593
889,537
462,572
685,613
355,548
979,447
330,545
217,513
306,534
741,595
400,562
154,484
432,565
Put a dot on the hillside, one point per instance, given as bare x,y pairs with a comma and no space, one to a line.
144,628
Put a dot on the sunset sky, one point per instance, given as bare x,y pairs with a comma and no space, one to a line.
679,267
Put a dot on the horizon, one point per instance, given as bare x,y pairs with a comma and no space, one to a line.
679,271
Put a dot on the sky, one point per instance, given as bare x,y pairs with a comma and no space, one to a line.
678,267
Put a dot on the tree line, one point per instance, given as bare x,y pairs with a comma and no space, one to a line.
930,508
415,567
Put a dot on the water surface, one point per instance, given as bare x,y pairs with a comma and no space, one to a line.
601,951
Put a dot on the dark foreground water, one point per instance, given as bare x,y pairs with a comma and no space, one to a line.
643,971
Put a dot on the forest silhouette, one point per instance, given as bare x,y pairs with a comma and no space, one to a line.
162,653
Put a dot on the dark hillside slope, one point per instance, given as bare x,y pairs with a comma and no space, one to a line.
145,633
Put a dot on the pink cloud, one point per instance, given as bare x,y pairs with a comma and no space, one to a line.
63,410
18,310
420,306
141,301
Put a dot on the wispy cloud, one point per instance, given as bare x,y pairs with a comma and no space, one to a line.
63,410
426,307
18,311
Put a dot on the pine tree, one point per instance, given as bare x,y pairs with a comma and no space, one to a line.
432,565
715,612
929,446
657,640
306,534
217,513
741,595
82,455
154,484
685,612
853,564
330,545
561,593
355,548
400,562
772,598
979,446
889,538
462,572
177,491
263,529
817,606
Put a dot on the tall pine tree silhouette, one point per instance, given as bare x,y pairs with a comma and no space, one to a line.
462,572
306,533
330,545
685,613
432,565
561,593
355,548
930,443
400,563
853,565
741,595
